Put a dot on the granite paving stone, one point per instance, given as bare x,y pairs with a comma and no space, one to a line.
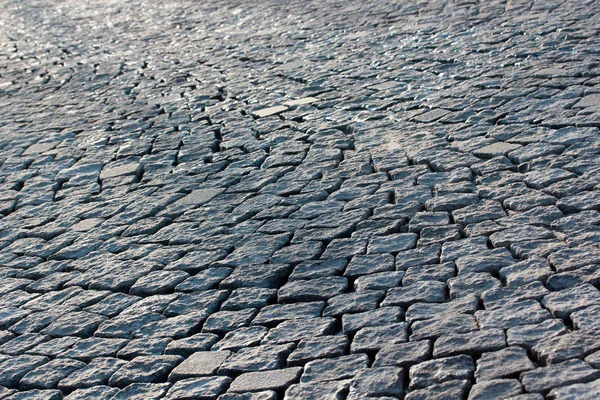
198,388
546,378
577,390
377,382
504,363
454,389
316,348
96,373
337,368
496,389
48,375
201,363
139,391
265,380
441,370
144,369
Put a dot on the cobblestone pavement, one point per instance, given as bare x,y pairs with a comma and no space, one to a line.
299,199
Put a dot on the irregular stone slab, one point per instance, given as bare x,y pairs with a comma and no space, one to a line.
423,219
21,344
37,395
158,282
259,358
297,329
124,326
312,390
266,112
485,261
344,248
15,368
557,349
145,391
198,303
321,347
369,264
380,316
392,243
562,374
471,284
301,102
441,325
591,100
513,314
587,318
189,345
240,338
567,301
529,335
441,272
352,302
572,259
265,276
144,369
497,297
203,280
519,234
420,256
403,355
377,382
265,380
463,305
53,347
530,270
576,391
374,338
87,349
378,281
96,373
579,202
199,197
470,343
262,395
198,388
425,291
504,363
311,290
281,312
93,393
532,151
298,252
433,372
317,269
111,171
564,280
40,148
242,298
478,212
451,202
201,363
334,368
495,389
82,324
454,389
495,150
227,321
48,375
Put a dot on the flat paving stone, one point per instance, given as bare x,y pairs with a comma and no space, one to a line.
265,380
201,363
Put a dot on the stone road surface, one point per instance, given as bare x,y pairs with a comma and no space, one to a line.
321,199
